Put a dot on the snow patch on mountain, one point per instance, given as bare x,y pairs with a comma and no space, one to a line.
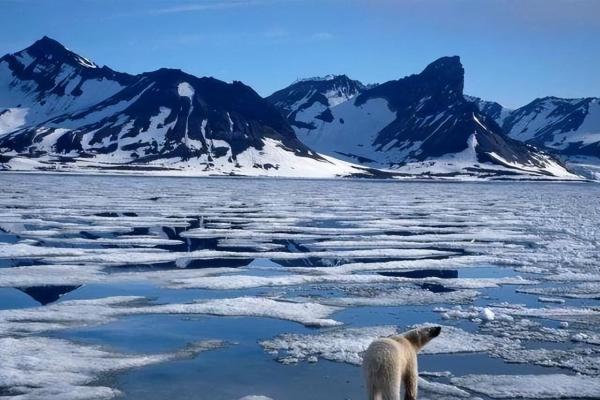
350,134
11,119
184,89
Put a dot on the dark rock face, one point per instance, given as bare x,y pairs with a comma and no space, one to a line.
438,92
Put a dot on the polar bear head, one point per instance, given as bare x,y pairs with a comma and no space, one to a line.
419,337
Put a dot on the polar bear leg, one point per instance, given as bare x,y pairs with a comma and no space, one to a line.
373,393
391,392
411,382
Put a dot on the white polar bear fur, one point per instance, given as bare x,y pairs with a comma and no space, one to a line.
392,361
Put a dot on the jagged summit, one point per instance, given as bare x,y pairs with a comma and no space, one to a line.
446,66
441,82
420,124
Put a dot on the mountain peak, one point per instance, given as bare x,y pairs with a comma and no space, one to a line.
448,70
46,48
47,43
444,63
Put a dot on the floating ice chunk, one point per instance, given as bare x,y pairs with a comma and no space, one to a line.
310,314
487,314
441,390
451,263
480,283
376,296
111,256
122,241
97,311
239,281
507,311
583,314
582,361
255,397
553,386
341,345
572,276
64,315
54,369
436,374
53,275
252,281
587,337
21,250
585,290
456,340
550,300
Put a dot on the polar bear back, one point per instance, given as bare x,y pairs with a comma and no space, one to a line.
386,360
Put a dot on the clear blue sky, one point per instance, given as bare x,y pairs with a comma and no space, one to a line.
512,50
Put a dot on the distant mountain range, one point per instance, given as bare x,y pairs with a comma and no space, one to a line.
60,111
569,128
418,125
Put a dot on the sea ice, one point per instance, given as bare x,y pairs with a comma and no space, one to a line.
76,313
347,344
552,386
41,368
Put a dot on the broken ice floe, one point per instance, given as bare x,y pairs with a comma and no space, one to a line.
75,313
584,290
583,361
507,311
552,386
255,397
348,344
380,296
41,368
327,235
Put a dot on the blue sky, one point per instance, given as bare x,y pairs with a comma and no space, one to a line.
513,50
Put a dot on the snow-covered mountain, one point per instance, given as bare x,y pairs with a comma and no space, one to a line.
421,124
60,110
46,80
307,101
567,126
490,108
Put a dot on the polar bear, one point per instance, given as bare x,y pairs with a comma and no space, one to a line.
390,361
